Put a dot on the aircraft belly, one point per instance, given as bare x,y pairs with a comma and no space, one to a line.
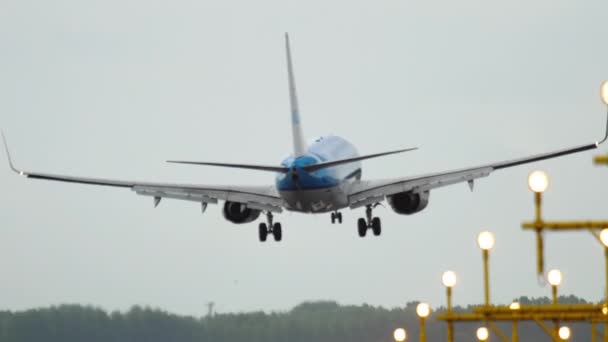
316,200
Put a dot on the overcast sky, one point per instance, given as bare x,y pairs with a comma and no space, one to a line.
113,88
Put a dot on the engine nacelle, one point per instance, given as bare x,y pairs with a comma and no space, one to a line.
239,213
407,203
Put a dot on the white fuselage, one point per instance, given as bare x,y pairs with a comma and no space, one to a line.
323,190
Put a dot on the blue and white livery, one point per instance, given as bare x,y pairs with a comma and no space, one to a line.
321,177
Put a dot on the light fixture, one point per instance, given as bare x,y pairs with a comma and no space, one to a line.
604,92
483,334
564,333
554,277
538,181
604,236
515,306
400,335
448,279
423,310
485,240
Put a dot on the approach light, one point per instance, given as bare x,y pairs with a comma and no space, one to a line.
423,310
538,181
449,279
400,335
485,240
604,92
604,236
483,334
554,277
564,333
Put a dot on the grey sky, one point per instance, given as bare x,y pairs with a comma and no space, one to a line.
114,88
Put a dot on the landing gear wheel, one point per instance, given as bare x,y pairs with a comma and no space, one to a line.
270,228
277,231
362,227
263,231
376,226
333,218
339,216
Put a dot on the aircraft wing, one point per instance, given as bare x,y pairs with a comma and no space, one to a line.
255,197
370,192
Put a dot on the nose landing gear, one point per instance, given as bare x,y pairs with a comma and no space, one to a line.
372,222
270,228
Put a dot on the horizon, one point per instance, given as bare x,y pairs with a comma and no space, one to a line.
562,298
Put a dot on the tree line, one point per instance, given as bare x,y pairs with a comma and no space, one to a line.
323,321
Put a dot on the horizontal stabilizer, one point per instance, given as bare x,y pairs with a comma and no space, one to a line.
279,169
315,167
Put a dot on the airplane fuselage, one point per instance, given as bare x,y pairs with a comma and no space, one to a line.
323,190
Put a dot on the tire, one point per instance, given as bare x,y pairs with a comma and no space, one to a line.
333,218
339,215
277,231
362,227
263,232
376,226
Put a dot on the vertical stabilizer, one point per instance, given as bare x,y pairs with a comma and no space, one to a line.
298,137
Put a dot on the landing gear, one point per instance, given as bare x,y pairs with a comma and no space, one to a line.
362,227
277,231
270,228
336,216
263,231
371,222
376,226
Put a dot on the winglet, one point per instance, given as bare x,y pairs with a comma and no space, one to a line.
8,155
605,135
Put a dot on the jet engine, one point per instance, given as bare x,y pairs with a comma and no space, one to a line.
407,203
239,213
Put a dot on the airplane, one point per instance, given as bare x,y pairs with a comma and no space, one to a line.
321,177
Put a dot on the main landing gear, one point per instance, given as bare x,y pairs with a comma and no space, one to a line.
336,216
372,222
271,228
